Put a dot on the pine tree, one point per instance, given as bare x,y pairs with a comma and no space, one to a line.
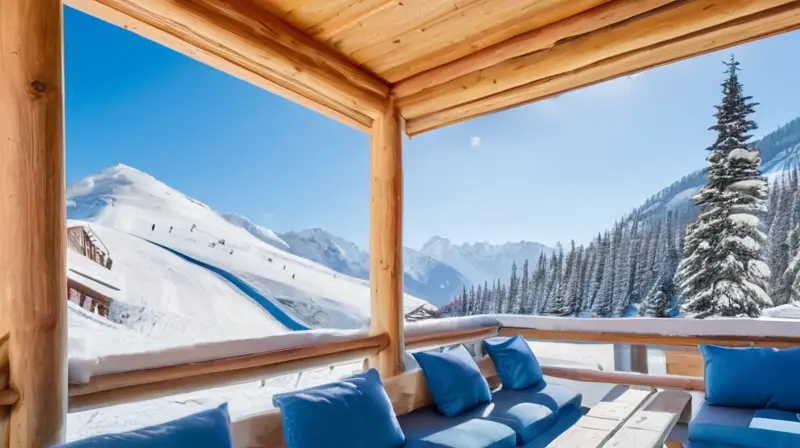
571,303
462,301
663,293
471,300
538,285
513,291
602,305
524,290
603,248
722,271
778,256
553,300
478,299
622,275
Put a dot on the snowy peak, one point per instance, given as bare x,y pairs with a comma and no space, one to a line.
481,262
423,277
264,234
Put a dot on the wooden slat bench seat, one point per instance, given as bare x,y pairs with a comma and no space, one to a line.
650,426
599,424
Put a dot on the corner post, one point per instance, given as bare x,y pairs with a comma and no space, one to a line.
386,239
32,213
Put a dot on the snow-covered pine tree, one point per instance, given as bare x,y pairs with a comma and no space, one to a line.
471,299
553,305
487,298
723,271
586,273
478,298
772,204
663,293
571,302
537,285
524,289
643,267
513,291
603,305
778,256
622,275
603,248
462,301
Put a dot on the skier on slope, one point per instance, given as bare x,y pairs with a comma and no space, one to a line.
193,226
153,228
170,229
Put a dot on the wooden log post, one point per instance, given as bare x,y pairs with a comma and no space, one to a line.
32,213
386,240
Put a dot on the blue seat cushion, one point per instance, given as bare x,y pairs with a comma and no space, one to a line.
516,365
527,419
756,377
454,379
743,427
208,429
555,397
427,427
351,413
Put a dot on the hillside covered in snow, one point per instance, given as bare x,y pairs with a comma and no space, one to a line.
133,214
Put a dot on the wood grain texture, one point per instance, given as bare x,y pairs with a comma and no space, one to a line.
650,426
5,410
626,378
671,22
689,363
386,240
534,40
767,23
598,425
648,339
449,338
33,241
476,26
106,390
247,42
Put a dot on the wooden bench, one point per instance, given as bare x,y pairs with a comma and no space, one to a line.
649,427
604,419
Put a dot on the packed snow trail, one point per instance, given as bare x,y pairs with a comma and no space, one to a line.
274,310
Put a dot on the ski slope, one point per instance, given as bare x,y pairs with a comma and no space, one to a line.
131,202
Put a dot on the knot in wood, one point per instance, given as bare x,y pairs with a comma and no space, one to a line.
39,86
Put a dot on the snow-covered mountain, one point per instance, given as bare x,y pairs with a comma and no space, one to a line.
481,262
424,276
135,204
780,152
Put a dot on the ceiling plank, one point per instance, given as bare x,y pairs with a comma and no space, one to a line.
477,26
255,46
766,23
674,20
538,39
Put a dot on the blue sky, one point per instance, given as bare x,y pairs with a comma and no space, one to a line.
552,171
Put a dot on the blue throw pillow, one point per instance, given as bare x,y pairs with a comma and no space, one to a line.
784,381
351,413
207,429
514,361
741,377
454,379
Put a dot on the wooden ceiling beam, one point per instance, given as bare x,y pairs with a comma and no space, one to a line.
669,22
766,23
534,40
241,39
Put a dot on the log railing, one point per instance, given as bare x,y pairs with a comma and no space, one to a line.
117,388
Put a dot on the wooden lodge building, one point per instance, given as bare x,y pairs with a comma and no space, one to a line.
384,67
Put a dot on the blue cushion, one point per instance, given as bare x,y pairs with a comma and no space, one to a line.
427,427
354,412
516,366
741,427
527,419
208,429
454,379
752,377
783,377
555,397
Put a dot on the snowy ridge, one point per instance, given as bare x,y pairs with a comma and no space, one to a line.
483,262
424,276
264,234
